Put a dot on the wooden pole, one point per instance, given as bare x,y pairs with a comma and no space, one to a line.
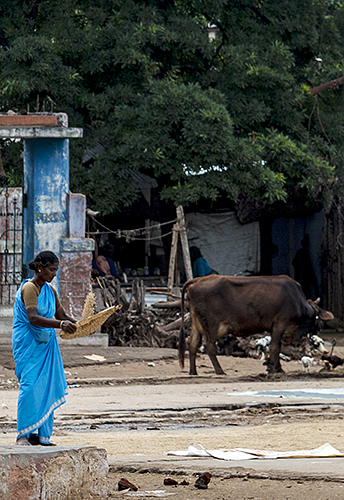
147,246
184,242
171,267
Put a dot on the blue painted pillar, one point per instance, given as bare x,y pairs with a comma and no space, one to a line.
46,181
46,185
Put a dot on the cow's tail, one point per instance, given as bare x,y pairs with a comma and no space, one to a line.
182,343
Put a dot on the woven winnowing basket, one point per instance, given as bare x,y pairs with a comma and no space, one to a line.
90,325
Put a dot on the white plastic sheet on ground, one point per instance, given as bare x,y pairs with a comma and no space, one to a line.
310,393
150,493
197,450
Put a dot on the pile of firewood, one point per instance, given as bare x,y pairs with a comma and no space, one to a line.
136,325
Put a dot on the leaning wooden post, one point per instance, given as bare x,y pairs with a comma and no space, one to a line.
184,242
172,264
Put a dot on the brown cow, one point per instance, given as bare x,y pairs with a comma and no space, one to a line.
246,306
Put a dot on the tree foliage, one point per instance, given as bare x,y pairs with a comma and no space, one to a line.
229,117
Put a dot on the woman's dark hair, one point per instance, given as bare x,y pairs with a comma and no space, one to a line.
107,250
195,253
43,259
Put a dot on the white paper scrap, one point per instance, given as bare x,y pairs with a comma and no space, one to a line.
95,357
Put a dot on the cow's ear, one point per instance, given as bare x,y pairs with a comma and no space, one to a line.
325,315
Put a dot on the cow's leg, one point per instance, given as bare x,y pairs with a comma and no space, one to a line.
211,351
273,362
194,343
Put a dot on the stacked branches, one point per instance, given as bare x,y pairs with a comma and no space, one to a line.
136,325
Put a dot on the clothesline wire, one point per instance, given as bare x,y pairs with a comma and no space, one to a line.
130,233
128,236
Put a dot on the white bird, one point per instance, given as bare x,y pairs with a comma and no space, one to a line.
264,342
5,407
318,343
93,213
263,346
317,64
307,362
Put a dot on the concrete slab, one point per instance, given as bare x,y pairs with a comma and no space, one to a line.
47,473
97,339
39,132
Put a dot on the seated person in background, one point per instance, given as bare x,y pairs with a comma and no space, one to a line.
103,265
200,266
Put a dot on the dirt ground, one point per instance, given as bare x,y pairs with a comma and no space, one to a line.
226,488
139,403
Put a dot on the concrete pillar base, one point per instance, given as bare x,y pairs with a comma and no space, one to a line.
53,473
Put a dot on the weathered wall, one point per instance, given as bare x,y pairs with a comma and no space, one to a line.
75,278
75,258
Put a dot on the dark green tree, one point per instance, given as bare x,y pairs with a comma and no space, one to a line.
229,117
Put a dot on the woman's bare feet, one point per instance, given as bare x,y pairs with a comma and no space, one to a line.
22,441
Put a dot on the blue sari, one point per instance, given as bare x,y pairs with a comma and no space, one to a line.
39,367
201,268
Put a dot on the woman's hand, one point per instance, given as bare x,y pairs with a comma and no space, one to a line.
68,326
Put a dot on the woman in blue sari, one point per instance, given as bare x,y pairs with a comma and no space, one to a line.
39,369
200,266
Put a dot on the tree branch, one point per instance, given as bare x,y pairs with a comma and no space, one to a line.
327,85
